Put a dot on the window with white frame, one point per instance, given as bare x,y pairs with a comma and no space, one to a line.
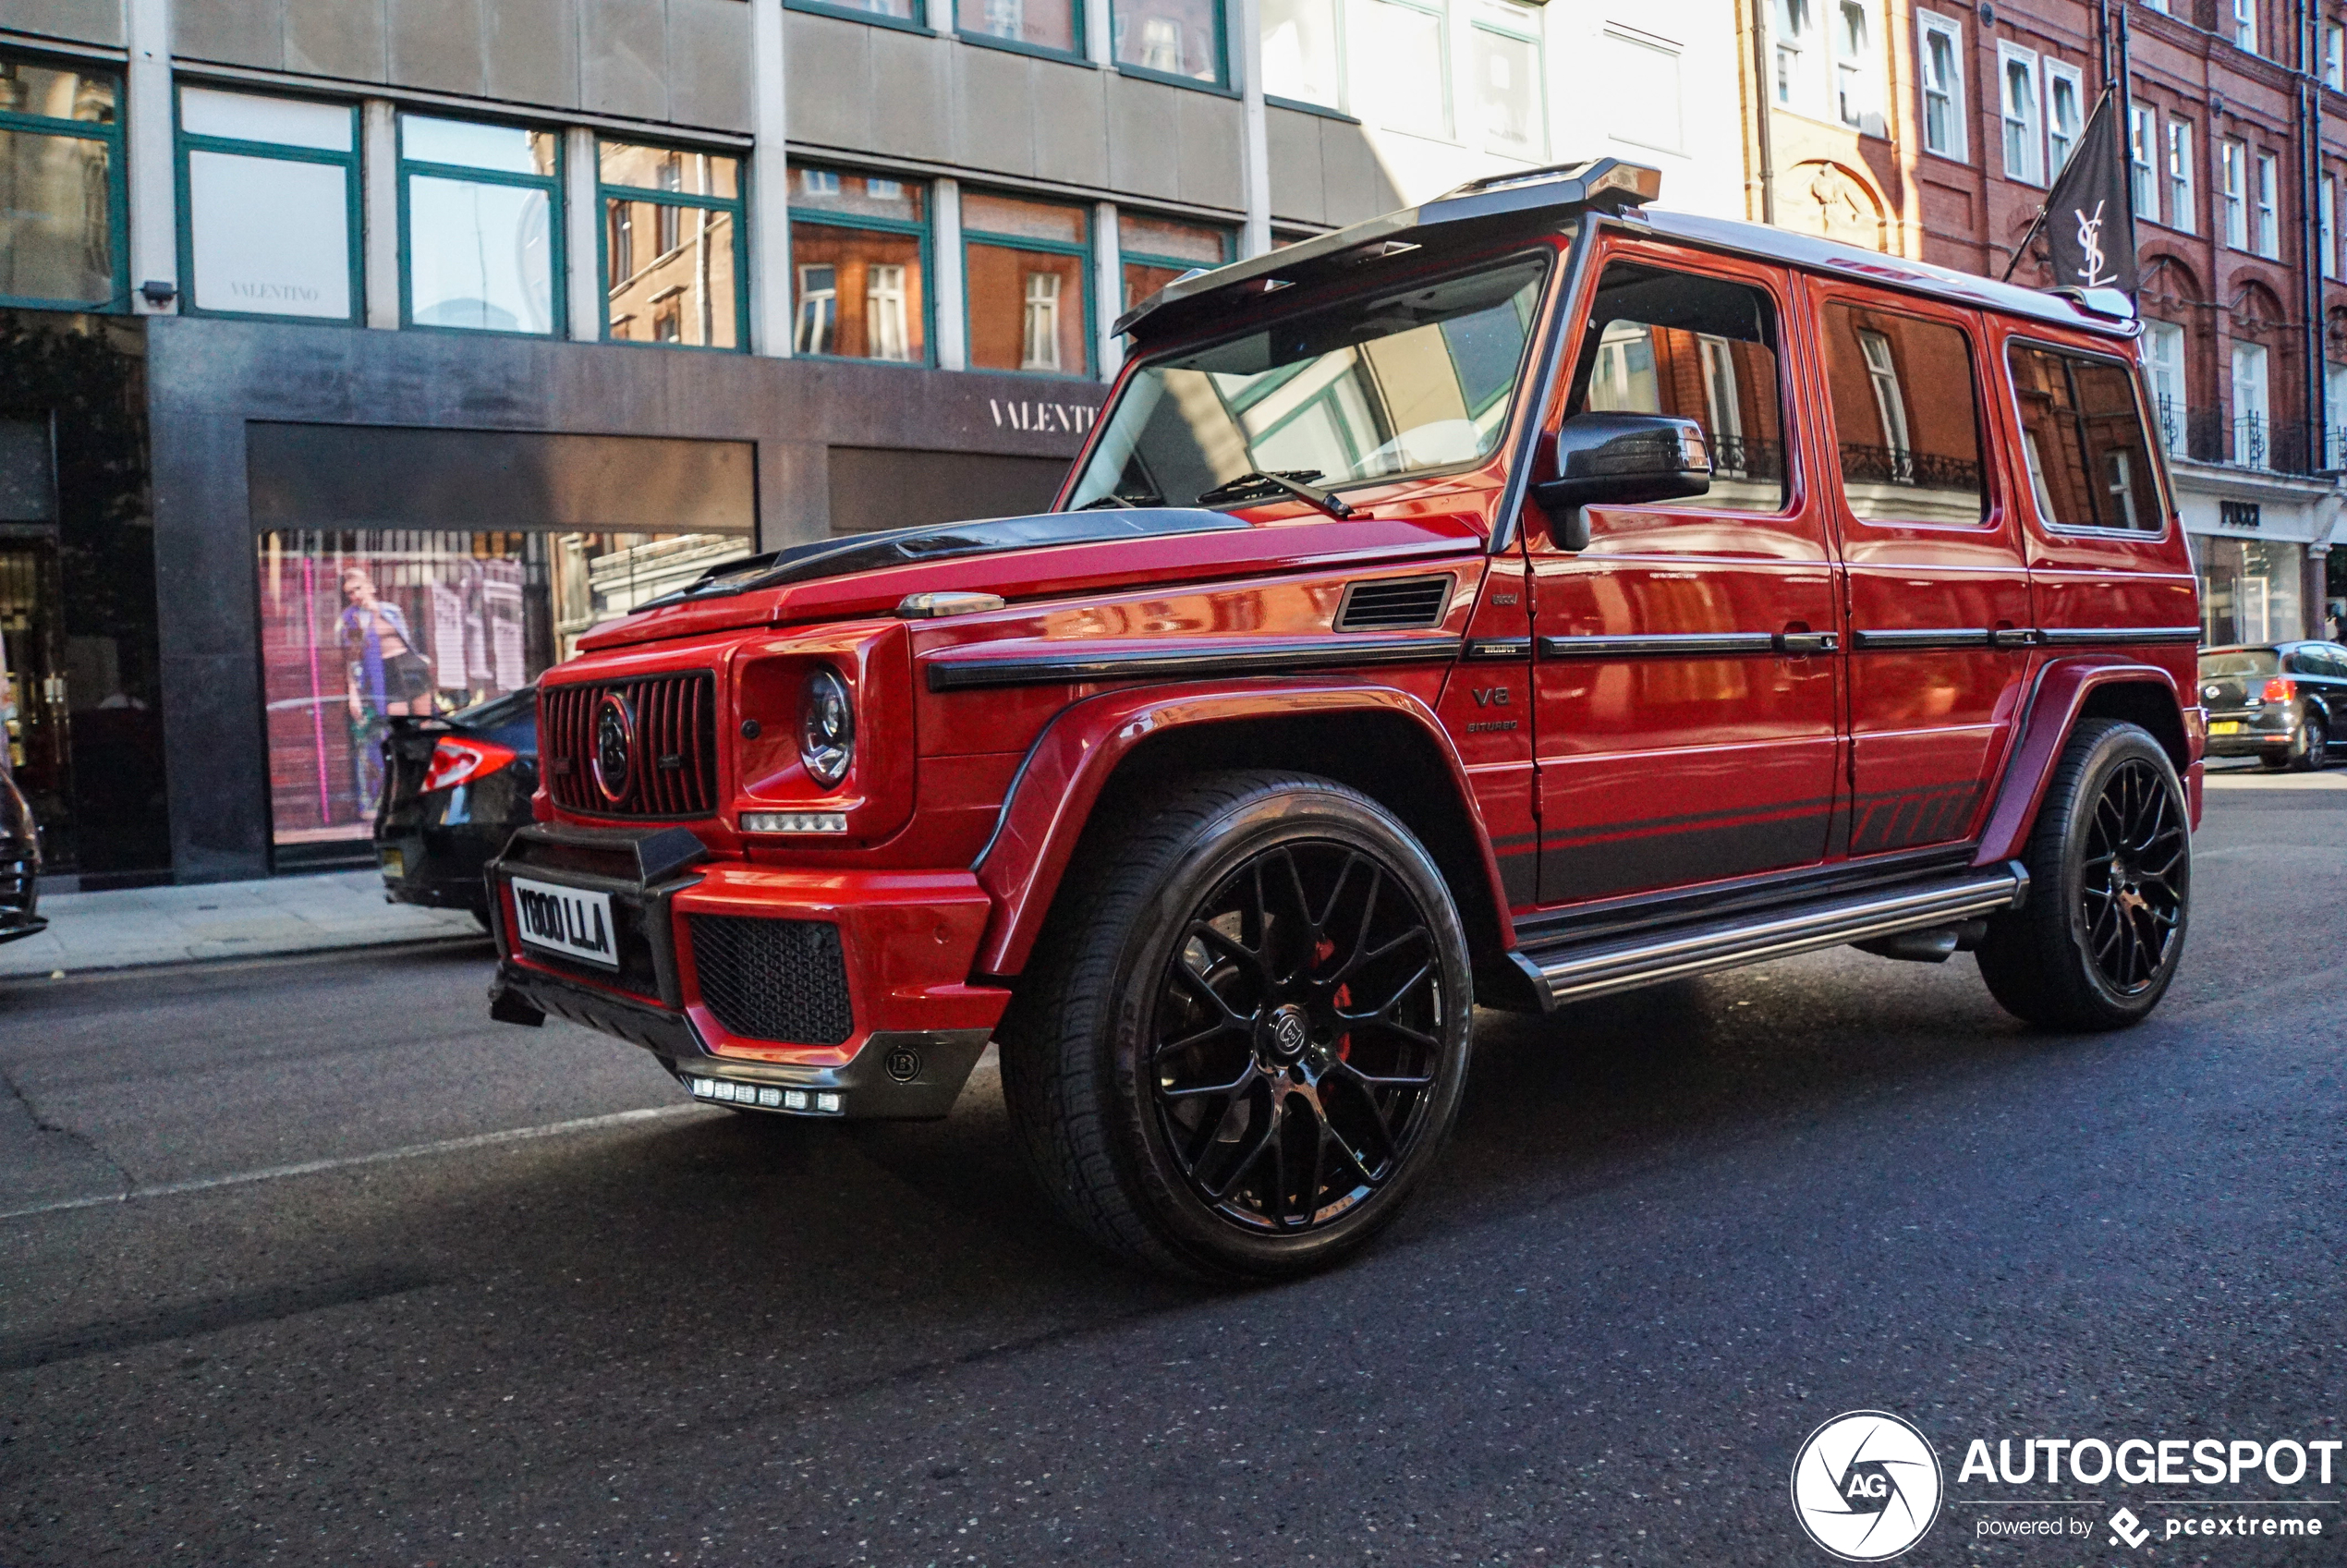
2334,416
2024,139
1856,101
2335,56
2252,426
1941,41
2143,186
1638,88
1795,48
1409,64
2268,219
2164,359
2244,25
1505,40
2327,225
2065,114
2182,208
2232,174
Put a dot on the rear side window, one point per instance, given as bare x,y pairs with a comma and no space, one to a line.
2082,430
2245,661
1662,342
1906,418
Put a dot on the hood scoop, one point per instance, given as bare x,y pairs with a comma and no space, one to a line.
900,547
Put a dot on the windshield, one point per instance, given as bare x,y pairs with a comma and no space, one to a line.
2248,662
1367,388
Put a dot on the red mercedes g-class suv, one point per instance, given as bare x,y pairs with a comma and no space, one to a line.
1505,602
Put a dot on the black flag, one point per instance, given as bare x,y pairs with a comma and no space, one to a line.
2090,236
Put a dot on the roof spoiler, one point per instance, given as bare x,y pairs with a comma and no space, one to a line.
1497,200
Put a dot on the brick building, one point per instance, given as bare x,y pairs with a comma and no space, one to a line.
1933,130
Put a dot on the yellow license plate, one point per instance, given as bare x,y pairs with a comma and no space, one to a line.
2226,726
395,863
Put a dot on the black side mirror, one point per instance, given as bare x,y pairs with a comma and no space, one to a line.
1621,460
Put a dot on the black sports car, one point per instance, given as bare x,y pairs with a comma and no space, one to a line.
19,864
2284,703
455,789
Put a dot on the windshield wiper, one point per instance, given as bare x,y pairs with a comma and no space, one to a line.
1292,482
1113,499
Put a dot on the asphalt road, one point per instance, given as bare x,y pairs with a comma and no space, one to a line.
1676,1231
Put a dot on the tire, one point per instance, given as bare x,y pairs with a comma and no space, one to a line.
2313,746
2091,949
1209,1104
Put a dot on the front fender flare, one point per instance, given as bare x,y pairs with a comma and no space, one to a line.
1071,762
2059,693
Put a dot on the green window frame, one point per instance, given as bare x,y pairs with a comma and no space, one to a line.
354,224
917,22
558,307
736,206
1083,254
1221,83
1127,257
117,191
1501,21
919,232
1074,51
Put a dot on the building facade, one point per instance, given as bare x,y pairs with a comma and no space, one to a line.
1934,131
356,356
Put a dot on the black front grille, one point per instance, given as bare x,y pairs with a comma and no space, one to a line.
781,980
1393,605
672,772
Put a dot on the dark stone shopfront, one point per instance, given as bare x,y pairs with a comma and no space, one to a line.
259,541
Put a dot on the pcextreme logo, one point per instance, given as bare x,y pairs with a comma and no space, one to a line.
1867,1486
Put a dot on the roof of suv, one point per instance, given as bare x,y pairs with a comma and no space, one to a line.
1536,201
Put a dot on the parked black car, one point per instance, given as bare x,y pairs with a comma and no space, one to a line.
455,789
19,864
2284,703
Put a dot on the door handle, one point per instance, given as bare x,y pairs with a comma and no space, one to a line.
1796,644
2013,637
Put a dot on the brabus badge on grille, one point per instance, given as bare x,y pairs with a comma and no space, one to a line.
615,758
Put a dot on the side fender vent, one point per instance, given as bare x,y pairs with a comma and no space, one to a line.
1394,605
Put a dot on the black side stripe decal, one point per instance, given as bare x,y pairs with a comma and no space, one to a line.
1707,645
1269,658
2084,636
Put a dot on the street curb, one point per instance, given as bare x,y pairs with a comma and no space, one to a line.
99,971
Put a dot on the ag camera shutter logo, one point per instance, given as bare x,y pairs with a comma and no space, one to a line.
1867,1486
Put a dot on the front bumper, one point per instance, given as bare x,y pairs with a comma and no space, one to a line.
906,942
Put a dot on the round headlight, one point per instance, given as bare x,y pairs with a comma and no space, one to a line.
826,725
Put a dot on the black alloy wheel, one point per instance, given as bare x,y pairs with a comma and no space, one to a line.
2132,895
2097,941
1299,1028
1243,1037
2312,749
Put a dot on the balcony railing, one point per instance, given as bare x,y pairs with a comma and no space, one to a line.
1744,458
2252,441
1904,465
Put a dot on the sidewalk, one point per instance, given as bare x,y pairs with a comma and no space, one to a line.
173,925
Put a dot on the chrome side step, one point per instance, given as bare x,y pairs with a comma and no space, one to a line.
1575,973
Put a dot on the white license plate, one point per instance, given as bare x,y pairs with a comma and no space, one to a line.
568,920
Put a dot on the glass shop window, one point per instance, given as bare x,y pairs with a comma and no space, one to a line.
363,626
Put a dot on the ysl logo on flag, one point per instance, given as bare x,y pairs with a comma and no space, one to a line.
2090,271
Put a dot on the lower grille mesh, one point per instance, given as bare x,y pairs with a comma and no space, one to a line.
781,980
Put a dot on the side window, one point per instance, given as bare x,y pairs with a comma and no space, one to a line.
1906,417
2083,433
1673,343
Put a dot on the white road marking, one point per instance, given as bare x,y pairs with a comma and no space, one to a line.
312,1167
